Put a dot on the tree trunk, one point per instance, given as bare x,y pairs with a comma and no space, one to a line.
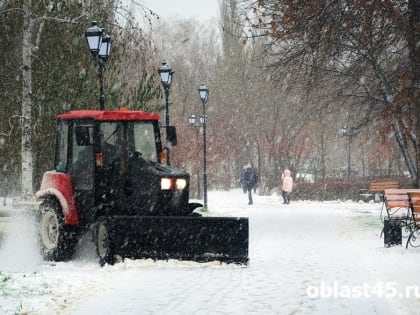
414,40
408,157
26,123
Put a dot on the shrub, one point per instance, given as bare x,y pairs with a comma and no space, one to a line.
343,189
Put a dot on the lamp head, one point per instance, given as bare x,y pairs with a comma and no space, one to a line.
192,119
105,49
204,93
165,73
94,38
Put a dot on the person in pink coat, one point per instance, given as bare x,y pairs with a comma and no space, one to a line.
287,186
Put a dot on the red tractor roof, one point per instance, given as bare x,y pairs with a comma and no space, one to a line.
109,115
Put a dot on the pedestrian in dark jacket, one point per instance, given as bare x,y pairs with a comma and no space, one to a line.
241,179
249,181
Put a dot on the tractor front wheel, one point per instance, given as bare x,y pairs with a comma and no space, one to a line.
103,243
57,241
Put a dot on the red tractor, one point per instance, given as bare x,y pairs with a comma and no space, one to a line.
110,178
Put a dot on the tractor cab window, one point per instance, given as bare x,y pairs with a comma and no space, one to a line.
82,156
144,141
119,141
111,142
62,146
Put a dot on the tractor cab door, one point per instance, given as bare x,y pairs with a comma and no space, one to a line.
122,183
111,165
82,166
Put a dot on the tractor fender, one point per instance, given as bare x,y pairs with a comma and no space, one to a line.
60,186
194,205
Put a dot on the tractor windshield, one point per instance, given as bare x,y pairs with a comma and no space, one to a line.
144,140
138,137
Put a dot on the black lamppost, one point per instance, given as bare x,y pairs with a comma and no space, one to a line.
2,143
166,73
349,133
204,96
100,46
192,120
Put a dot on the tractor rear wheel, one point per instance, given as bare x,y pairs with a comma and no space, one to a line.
57,241
103,244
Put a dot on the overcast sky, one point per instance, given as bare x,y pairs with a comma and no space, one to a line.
200,9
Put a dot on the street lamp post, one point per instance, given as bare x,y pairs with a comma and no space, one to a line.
204,96
349,133
100,46
166,74
2,144
192,120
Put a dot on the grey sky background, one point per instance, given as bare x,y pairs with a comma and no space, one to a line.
199,9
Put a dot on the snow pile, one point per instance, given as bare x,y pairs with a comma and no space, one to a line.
19,251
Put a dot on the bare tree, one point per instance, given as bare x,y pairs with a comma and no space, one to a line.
362,45
413,34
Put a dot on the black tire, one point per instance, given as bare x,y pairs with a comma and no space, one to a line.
57,240
103,244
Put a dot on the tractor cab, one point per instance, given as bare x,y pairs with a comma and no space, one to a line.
90,147
115,160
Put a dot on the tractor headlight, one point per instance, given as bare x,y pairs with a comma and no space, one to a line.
171,183
165,183
180,184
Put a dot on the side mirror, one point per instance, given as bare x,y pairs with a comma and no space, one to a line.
82,135
171,135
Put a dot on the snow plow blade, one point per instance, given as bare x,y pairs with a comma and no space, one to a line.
186,238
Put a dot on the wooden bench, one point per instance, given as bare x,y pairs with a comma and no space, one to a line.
397,203
376,189
397,216
414,237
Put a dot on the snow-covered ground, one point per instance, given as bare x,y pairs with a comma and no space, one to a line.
305,258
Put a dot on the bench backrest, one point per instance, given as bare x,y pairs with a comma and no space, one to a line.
414,198
415,204
398,198
381,186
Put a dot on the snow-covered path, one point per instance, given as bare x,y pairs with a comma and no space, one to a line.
305,258
291,249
